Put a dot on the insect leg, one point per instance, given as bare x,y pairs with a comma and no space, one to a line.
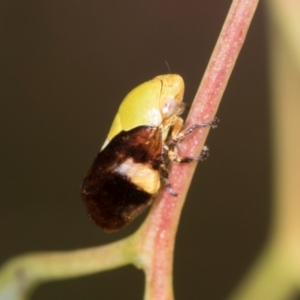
189,130
173,143
165,178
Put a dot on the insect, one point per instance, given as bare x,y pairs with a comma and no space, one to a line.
128,170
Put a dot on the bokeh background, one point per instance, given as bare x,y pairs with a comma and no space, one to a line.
64,68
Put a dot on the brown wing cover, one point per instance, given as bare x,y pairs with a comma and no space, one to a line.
112,200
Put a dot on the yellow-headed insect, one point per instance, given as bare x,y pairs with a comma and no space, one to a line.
127,172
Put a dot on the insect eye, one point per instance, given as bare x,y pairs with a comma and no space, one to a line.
168,107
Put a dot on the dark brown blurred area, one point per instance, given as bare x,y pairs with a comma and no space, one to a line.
64,68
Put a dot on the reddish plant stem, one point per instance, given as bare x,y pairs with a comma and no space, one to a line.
151,247
158,232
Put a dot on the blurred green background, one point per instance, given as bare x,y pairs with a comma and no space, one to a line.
64,68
